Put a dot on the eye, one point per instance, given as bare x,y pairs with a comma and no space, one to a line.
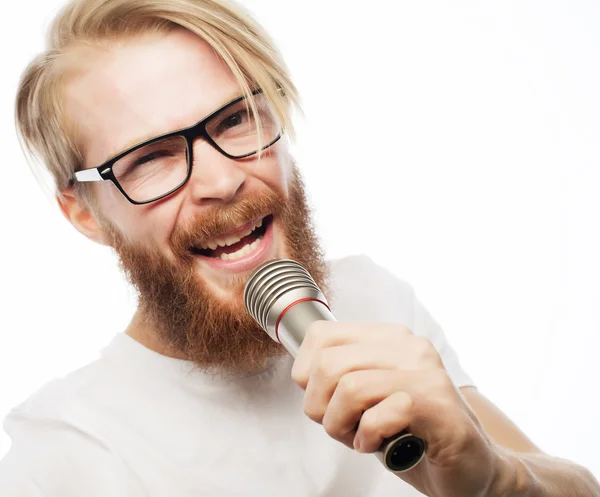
233,121
148,162
150,157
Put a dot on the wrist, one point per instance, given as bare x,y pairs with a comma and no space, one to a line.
512,478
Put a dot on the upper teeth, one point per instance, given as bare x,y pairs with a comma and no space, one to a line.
231,239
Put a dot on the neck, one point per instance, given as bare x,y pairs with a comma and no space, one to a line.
141,330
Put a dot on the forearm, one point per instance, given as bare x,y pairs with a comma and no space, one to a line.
540,475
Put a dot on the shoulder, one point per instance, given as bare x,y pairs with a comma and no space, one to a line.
57,410
56,448
61,397
361,289
360,268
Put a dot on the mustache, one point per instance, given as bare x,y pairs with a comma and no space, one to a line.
218,220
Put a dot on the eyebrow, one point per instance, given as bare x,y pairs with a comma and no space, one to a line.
138,140
149,136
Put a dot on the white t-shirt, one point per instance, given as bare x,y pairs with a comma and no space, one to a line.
137,423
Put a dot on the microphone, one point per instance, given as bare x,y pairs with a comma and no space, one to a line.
284,300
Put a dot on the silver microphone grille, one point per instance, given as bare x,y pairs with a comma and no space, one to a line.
274,286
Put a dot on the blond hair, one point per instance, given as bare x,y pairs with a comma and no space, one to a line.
238,40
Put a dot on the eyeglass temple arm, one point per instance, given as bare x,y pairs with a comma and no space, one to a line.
88,175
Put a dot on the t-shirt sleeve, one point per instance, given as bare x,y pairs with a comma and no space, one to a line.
52,458
425,325
365,291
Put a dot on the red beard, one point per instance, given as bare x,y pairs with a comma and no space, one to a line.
186,317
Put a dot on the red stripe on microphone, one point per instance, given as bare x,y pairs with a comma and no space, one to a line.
289,307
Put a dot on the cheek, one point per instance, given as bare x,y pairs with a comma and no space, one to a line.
149,224
275,168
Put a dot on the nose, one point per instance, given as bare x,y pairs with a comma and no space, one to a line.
214,177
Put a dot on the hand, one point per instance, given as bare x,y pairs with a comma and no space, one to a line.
367,382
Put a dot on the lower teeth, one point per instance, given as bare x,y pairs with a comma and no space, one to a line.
246,249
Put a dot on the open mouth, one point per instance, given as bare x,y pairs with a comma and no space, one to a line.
236,245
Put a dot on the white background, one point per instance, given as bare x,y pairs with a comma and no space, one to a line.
457,143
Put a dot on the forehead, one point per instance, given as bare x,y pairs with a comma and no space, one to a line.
142,88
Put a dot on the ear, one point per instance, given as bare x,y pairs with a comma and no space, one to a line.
80,215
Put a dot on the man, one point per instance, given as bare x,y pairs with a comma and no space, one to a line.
164,125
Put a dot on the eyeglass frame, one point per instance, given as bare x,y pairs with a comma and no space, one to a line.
104,171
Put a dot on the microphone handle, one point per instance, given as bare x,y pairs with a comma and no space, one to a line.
398,453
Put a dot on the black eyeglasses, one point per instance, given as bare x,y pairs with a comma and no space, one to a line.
158,167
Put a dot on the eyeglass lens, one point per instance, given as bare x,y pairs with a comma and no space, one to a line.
153,170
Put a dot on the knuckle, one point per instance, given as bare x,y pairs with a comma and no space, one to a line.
299,376
313,412
326,366
369,423
350,385
321,362
393,330
316,331
423,344
331,428
405,401
425,349
403,330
